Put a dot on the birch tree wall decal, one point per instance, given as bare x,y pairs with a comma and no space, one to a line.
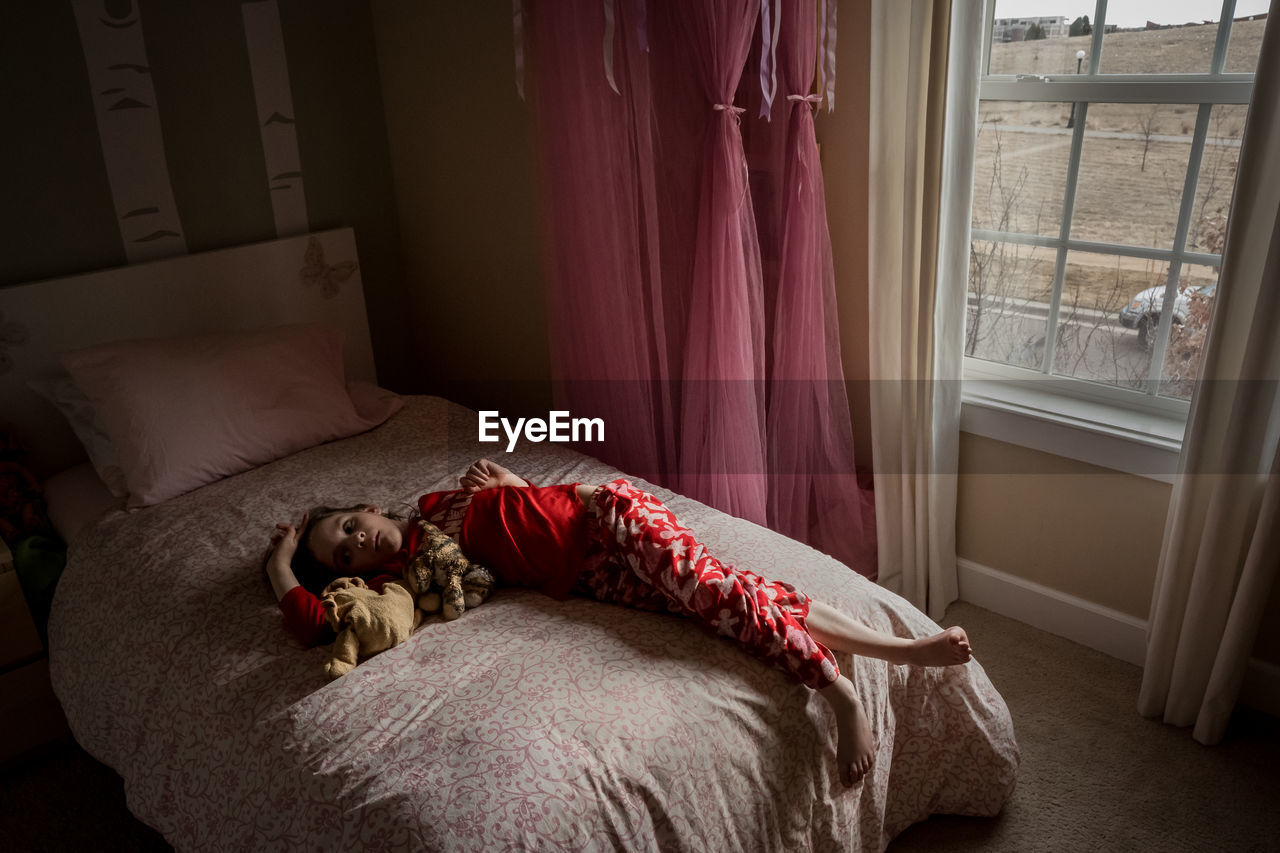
124,100
270,70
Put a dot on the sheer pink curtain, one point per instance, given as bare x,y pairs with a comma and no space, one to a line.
717,372
721,444
607,323
813,489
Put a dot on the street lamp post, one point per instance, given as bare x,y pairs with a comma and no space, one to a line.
1071,122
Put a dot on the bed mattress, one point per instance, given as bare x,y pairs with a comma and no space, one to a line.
526,724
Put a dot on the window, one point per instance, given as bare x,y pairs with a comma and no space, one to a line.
1106,155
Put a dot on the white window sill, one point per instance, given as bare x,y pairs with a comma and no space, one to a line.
1145,443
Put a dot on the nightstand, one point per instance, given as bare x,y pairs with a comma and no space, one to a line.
29,713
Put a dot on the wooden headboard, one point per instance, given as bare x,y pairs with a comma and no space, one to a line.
310,278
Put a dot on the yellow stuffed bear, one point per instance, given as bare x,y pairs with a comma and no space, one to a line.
367,622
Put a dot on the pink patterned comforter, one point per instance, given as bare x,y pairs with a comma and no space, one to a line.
528,723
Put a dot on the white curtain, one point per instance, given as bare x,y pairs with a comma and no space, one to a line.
1221,550
925,57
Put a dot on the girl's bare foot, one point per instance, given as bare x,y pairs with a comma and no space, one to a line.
484,474
839,631
855,746
949,648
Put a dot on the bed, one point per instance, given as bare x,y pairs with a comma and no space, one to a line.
526,724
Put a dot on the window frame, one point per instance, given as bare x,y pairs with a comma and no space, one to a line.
1094,422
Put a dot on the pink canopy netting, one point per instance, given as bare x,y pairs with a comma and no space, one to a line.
813,488
700,325
607,314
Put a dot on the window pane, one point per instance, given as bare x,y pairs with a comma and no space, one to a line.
1009,288
1102,337
1246,37
1217,178
1035,40
1132,169
1197,286
1160,38
1021,166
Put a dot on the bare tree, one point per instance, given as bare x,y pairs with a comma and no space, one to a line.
1147,125
996,269
1093,330
1186,344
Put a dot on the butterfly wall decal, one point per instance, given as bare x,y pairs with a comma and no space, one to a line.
317,272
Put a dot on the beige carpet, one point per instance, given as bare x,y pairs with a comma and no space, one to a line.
1097,776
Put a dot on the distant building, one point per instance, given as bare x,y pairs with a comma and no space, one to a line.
1015,29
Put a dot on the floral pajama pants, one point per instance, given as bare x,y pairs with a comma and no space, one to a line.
640,556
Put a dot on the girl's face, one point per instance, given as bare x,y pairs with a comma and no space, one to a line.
356,542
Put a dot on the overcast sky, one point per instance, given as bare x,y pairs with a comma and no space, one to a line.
1128,13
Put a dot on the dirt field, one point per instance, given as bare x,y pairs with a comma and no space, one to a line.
1132,170
1182,50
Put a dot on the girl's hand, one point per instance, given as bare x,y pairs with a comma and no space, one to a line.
484,474
284,544
284,541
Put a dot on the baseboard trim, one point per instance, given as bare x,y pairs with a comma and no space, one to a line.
1089,624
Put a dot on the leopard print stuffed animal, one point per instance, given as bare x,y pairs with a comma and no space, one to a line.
440,577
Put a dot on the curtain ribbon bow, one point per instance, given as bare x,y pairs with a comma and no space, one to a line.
813,99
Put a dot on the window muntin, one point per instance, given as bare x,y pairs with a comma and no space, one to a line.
1217,178
1107,223
1020,172
1246,41
1091,344
1009,287
1132,166
1129,49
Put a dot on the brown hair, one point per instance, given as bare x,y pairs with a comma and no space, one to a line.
307,568
311,573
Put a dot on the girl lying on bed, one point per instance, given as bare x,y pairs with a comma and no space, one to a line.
614,543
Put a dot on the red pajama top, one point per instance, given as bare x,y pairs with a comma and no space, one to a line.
532,537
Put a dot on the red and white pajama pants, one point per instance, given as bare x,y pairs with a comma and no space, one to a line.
640,556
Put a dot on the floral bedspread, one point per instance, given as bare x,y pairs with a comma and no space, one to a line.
528,723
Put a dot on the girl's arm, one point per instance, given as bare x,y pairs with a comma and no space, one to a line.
304,617
485,474
279,563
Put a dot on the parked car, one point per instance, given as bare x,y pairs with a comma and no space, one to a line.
1143,313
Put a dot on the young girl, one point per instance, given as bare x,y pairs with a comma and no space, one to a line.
611,542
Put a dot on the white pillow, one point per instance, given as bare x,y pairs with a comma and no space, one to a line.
183,412
76,498
85,423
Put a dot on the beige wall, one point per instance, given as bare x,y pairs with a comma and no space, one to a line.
462,160
842,135
1070,526
1073,527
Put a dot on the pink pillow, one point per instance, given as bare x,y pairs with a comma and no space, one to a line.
183,412
372,402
